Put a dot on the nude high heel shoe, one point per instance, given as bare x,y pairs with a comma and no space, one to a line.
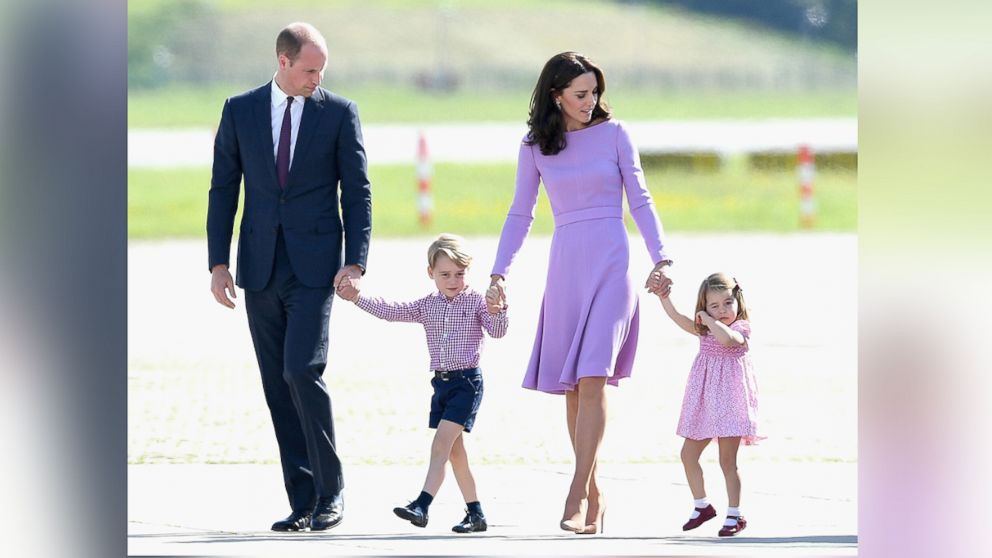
598,525
574,522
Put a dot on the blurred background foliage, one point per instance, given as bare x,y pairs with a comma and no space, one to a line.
418,62
834,21
480,45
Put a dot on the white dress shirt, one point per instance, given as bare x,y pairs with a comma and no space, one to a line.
295,115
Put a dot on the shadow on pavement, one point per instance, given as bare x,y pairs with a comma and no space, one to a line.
837,540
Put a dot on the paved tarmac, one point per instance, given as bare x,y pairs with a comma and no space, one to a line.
194,400
797,509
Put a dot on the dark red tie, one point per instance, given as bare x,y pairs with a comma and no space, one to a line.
282,156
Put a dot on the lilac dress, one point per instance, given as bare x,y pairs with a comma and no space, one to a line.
589,315
721,395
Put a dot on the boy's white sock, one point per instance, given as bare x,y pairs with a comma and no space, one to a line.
736,512
700,503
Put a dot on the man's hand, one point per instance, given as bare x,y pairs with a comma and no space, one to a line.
347,289
222,283
353,272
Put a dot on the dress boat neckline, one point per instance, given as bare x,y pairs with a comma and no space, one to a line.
589,127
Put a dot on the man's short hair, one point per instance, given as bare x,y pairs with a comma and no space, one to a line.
292,38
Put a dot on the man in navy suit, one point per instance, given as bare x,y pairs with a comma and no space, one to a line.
294,143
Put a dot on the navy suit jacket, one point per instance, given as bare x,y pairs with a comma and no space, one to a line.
329,152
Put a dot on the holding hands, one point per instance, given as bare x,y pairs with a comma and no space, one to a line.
348,289
493,304
350,276
659,282
496,295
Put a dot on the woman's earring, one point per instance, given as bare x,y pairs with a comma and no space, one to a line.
558,103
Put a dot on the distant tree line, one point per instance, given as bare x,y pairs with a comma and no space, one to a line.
193,42
835,21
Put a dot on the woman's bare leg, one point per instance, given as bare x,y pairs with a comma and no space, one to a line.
589,402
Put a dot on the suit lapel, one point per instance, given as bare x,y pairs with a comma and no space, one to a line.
313,110
263,121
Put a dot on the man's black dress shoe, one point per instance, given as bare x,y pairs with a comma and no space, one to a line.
412,513
473,523
297,521
327,513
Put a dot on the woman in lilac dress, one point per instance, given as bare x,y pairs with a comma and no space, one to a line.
587,330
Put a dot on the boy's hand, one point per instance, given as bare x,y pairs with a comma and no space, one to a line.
493,303
347,290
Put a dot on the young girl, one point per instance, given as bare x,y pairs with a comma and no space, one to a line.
721,396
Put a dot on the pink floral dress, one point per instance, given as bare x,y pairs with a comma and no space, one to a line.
721,395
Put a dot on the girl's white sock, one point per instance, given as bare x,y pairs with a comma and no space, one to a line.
700,503
736,512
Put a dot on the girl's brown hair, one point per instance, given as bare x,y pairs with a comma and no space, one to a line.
719,282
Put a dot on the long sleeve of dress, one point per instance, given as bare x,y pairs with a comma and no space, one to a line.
639,200
521,213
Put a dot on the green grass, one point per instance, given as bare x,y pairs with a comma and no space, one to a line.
169,203
666,64
472,199
180,107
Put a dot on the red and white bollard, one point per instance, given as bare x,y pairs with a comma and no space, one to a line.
806,169
425,205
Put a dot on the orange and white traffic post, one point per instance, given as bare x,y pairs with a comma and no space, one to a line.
806,169
425,205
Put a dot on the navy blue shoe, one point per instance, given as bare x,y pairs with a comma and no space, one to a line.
297,521
327,513
413,513
473,523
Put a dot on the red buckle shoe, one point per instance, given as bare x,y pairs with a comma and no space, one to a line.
732,530
705,514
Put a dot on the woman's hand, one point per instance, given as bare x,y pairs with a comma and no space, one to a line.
498,289
493,303
658,281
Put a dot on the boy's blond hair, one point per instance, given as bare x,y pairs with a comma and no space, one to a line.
451,246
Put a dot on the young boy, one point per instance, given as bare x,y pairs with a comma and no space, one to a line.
453,318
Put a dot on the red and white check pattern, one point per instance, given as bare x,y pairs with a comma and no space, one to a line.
453,327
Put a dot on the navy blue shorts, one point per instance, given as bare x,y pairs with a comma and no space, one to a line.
457,398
